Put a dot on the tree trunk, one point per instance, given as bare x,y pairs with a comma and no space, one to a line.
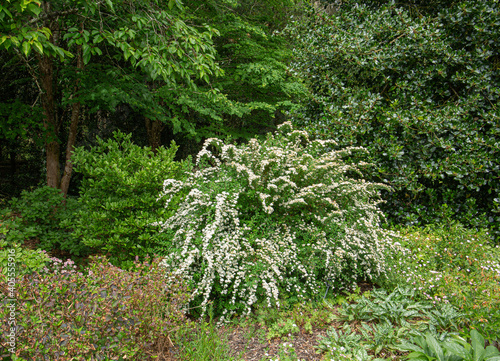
13,167
53,168
154,129
46,66
73,128
49,122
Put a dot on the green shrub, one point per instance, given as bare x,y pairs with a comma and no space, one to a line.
107,313
118,197
44,217
270,218
26,260
420,91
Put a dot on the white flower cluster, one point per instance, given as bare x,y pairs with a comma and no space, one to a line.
279,215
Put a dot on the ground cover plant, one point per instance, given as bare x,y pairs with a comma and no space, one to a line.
452,265
453,349
41,217
273,218
381,320
101,314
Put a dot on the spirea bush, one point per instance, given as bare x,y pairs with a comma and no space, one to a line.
273,218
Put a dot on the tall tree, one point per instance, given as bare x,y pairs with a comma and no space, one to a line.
69,46
256,88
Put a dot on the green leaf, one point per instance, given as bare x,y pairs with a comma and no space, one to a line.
110,5
67,53
68,35
25,48
46,32
7,44
9,14
456,349
126,53
59,52
14,40
434,346
86,53
97,39
38,47
418,356
35,9
477,345
491,351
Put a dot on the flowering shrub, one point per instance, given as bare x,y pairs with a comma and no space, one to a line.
278,216
105,314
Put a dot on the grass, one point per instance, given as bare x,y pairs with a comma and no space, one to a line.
203,342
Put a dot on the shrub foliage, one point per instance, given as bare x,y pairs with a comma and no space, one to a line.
107,314
41,216
419,88
273,218
118,196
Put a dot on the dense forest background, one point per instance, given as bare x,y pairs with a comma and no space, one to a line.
414,82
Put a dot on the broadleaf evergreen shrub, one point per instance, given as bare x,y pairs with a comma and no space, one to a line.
118,197
420,90
273,218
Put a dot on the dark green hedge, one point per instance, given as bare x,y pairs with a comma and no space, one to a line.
420,89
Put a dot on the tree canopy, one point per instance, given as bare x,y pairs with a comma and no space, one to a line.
197,69
76,50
